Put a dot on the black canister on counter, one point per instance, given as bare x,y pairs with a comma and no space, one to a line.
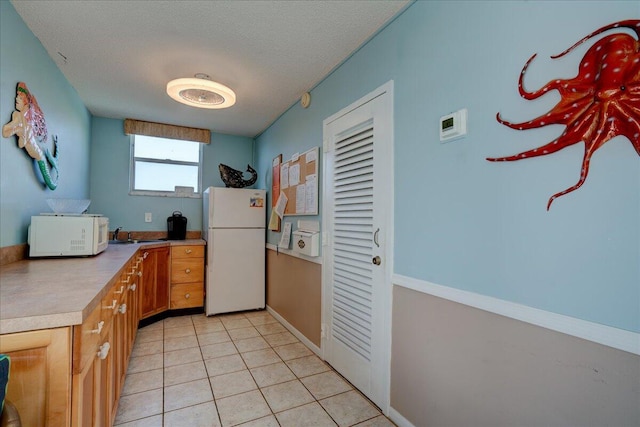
176,226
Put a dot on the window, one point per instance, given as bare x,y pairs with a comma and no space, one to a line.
159,165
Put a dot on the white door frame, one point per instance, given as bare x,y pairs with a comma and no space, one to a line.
383,319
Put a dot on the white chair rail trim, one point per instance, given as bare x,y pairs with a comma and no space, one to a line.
601,334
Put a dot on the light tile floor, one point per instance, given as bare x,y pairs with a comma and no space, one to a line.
242,369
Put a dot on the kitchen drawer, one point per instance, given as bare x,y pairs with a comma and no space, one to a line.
86,338
187,270
186,295
187,251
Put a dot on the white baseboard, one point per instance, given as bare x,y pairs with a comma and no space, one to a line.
601,334
296,332
399,419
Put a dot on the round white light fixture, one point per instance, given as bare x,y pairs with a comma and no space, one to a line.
201,92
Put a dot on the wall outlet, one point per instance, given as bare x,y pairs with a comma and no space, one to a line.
147,217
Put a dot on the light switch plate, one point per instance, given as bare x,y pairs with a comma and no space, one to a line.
147,217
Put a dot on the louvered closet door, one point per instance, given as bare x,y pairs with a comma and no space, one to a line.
353,270
355,262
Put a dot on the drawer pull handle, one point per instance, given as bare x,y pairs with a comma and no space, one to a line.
100,326
187,296
139,273
188,270
188,251
104,350
133,287
121,289
113,305
122,309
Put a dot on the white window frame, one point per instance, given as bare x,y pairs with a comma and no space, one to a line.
132,166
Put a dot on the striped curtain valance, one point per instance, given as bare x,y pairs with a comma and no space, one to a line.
161,130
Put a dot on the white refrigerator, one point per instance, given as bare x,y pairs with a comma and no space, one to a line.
233,221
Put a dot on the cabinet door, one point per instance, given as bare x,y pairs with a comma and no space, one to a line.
86,340
120,347
104,382
40,382
84,388
134,290
155,281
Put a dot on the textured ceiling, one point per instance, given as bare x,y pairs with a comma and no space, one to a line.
119,55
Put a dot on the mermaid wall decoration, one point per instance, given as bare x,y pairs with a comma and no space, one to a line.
28,124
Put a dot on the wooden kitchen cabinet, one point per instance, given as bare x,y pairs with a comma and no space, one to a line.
40,382
133,289
73,375
125,323
87,340
187,276
94,367
104,380
155,281
101,349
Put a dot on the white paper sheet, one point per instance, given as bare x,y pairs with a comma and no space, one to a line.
273,221
281,204
311,194
300,198
311,156
286,236
284,176
294,175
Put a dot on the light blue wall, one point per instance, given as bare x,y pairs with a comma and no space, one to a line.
23,58
94,159
461,221
110,178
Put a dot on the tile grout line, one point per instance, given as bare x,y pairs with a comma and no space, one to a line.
296,377
271,347
252,376
281,360
163,381
215,403
299,379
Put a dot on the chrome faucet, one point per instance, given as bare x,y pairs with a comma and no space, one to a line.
115,233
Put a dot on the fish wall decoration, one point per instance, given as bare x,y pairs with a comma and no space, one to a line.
233,178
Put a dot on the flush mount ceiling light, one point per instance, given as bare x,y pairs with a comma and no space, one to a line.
201,92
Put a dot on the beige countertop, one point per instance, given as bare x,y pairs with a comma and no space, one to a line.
48,293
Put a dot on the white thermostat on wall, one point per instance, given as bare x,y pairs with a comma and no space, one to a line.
453,125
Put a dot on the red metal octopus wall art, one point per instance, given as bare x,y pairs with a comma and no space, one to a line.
600,103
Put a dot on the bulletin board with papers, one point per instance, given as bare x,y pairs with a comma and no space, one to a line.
299,183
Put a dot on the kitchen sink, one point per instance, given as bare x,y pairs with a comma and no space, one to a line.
128,242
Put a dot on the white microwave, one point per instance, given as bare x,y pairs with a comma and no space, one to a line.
68,235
